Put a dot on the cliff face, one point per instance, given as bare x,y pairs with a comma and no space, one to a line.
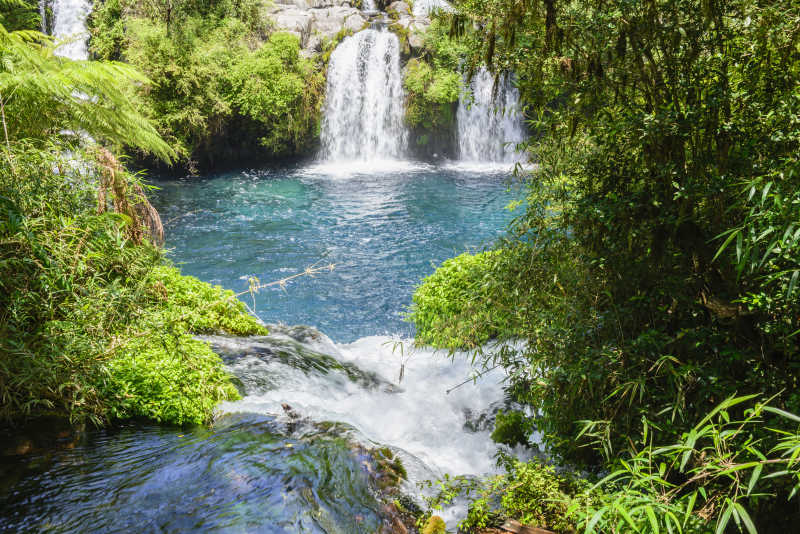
317,21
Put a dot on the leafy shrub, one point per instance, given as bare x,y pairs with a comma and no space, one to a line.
93,325
512,427
433,85
531,492
461,305
431,95
277,88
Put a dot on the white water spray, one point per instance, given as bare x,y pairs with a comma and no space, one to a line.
489,123
424,8
363,117
69,27
435,425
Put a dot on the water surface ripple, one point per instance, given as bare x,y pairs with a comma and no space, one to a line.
384,233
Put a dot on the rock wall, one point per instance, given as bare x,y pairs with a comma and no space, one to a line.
317,21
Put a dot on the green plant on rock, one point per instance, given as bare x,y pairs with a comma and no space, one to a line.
532,493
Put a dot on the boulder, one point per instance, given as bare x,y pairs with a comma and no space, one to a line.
329,21
293,20
399,9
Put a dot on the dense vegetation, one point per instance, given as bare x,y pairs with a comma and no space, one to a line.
94,323
432,82
655,271
223,85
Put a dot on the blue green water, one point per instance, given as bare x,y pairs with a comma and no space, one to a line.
383,232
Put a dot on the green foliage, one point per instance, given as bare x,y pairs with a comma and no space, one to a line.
430,95
219,86
719,474
20,15
433,84
512,428
44,95
461,305
186,303
531,492
662,219
281,91
93,325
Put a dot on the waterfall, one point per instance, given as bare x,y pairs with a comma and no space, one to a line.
69,27
368,5
424,8
489,124
363,118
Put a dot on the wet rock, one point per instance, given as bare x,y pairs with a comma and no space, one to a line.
516,527
251,352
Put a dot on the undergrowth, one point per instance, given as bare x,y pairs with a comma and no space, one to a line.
93,325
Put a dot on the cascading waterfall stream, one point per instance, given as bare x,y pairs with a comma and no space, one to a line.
489,123
363,117
69,27
424,8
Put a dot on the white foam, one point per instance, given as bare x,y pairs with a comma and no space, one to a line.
423,422
345,168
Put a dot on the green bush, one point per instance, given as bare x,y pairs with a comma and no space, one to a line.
94,326
532,493
431,95
281,91
433,85
459,306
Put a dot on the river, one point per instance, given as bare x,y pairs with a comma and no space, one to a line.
258,469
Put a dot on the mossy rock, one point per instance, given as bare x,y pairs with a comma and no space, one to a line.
434,525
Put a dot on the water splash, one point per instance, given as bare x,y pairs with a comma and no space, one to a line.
424,8
489,123
69,28
385,391
363,117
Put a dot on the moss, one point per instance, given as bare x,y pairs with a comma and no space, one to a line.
435,525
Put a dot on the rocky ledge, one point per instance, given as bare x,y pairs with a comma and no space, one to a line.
316,22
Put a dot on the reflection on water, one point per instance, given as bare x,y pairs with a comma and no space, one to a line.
245,475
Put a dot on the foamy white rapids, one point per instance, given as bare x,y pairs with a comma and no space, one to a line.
490,124
69,27
423,8
433,432
363,117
